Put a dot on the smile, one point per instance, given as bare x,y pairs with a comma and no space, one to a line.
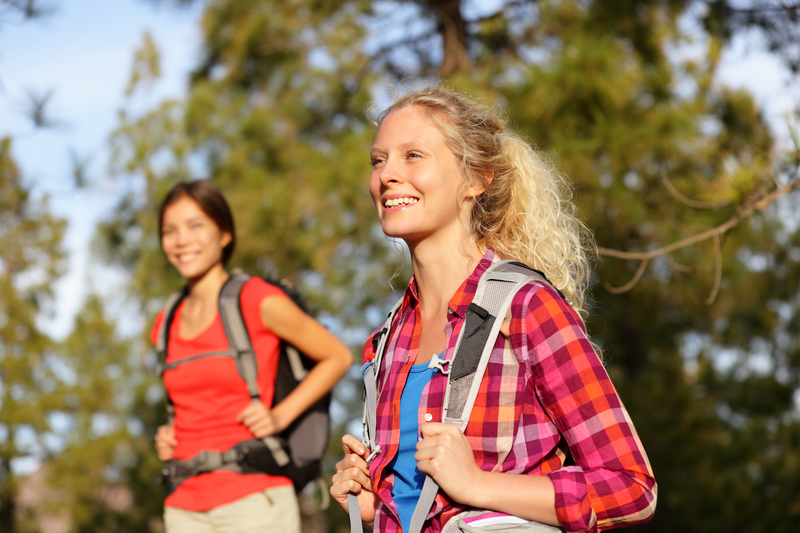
185,257
400,201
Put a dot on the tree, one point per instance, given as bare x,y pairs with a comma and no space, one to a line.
701,346
12,10
31,259
91,471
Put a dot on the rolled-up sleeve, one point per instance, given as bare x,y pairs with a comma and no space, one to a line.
611,482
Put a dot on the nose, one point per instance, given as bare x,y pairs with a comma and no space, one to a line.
181,236
390,172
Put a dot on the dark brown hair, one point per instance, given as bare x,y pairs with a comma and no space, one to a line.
210,200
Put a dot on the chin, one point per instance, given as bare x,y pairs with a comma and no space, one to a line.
192,273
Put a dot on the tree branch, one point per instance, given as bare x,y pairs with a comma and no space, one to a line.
717,271
697,204
783,8
634,280
744,212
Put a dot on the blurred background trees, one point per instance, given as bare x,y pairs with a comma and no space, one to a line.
701,341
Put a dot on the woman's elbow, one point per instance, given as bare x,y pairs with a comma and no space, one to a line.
344,359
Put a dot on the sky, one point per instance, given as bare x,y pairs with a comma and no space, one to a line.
83,52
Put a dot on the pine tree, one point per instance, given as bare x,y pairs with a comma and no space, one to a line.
99,436
31,259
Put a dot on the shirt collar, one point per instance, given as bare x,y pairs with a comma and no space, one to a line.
466,292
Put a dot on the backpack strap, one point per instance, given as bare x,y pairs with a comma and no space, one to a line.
170,307
230,313
370,408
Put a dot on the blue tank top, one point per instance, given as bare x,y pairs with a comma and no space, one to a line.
408,479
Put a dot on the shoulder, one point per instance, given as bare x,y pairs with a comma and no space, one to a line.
544,327
156,326
256,289
540,302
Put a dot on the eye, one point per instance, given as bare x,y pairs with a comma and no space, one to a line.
413,155
375,161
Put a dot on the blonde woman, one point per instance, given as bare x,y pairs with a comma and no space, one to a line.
551,442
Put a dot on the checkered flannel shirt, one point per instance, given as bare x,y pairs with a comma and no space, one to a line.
545,394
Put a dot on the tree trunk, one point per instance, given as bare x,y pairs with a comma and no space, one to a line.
8,510
453,29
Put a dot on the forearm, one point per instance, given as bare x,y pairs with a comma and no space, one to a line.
317,384
526,496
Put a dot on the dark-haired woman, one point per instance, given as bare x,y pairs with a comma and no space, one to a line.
213,409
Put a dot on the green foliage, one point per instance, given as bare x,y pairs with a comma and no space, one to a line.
30,388
98,440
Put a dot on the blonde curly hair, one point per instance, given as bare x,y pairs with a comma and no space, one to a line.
525,212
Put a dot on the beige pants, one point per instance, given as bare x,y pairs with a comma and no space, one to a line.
271,511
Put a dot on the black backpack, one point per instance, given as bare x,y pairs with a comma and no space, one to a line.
294,453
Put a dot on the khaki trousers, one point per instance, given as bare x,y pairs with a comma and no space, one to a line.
271,511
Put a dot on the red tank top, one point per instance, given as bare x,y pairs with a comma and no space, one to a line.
208,395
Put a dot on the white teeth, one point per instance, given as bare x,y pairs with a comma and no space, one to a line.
186,257
400,201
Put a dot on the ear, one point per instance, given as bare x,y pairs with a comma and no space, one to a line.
477,189
226,238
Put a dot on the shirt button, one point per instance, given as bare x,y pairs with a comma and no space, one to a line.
428,417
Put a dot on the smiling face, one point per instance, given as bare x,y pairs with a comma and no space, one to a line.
191,240
416,180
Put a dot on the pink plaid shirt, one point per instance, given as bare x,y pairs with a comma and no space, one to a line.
545,393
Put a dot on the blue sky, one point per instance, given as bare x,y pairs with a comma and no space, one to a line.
84,51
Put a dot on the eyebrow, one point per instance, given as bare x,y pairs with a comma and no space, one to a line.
405,146
193,219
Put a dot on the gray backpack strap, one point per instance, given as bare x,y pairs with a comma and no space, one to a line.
370,408
484,317
163,331
161,345
235,330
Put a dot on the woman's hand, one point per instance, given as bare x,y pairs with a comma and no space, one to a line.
352,475
261,421
444,453
165,442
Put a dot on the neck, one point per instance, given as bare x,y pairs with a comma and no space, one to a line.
207,287
440,268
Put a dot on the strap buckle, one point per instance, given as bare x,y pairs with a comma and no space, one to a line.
374,453
366,366
376,339
440,364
